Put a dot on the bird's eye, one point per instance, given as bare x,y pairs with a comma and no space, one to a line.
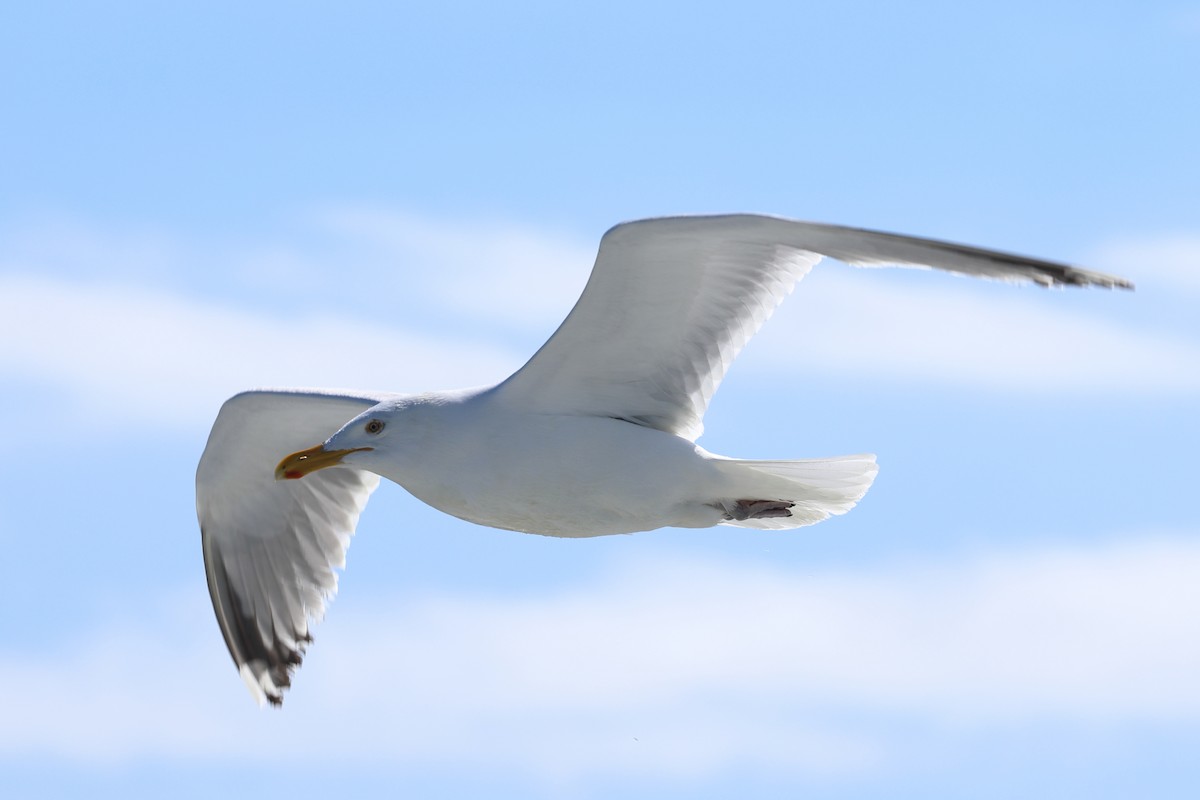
375,426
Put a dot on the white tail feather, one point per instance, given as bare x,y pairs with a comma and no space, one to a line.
818,488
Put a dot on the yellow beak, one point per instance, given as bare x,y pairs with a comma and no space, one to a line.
299,464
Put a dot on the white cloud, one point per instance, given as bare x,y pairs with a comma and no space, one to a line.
988,336
1045,635
123,351
504,272
1171,262
664,669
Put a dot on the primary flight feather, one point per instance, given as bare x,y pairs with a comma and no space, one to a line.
593,436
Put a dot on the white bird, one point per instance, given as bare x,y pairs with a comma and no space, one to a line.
593,436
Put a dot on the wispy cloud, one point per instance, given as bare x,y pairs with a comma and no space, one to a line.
993,337
127,352
504,272
1171,260
664,668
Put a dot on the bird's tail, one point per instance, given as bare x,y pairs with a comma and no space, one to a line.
789,494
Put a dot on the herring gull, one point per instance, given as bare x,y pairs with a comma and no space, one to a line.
595,435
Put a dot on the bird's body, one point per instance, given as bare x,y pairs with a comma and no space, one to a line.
480,459
593,475
595,435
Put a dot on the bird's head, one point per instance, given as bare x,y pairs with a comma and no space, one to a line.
358,443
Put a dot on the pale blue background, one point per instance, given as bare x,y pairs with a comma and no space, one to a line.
196,198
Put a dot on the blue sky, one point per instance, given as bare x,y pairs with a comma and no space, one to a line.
201,198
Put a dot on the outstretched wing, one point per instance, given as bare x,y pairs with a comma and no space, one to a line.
671,302
270,547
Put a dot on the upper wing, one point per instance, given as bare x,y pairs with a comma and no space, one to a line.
671,302
270,546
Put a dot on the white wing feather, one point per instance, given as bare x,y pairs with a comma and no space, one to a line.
672,301
270,547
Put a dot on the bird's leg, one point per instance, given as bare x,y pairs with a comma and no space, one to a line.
756,509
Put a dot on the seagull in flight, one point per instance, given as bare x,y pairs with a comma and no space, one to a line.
594,436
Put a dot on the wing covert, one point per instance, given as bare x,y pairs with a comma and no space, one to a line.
669,305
